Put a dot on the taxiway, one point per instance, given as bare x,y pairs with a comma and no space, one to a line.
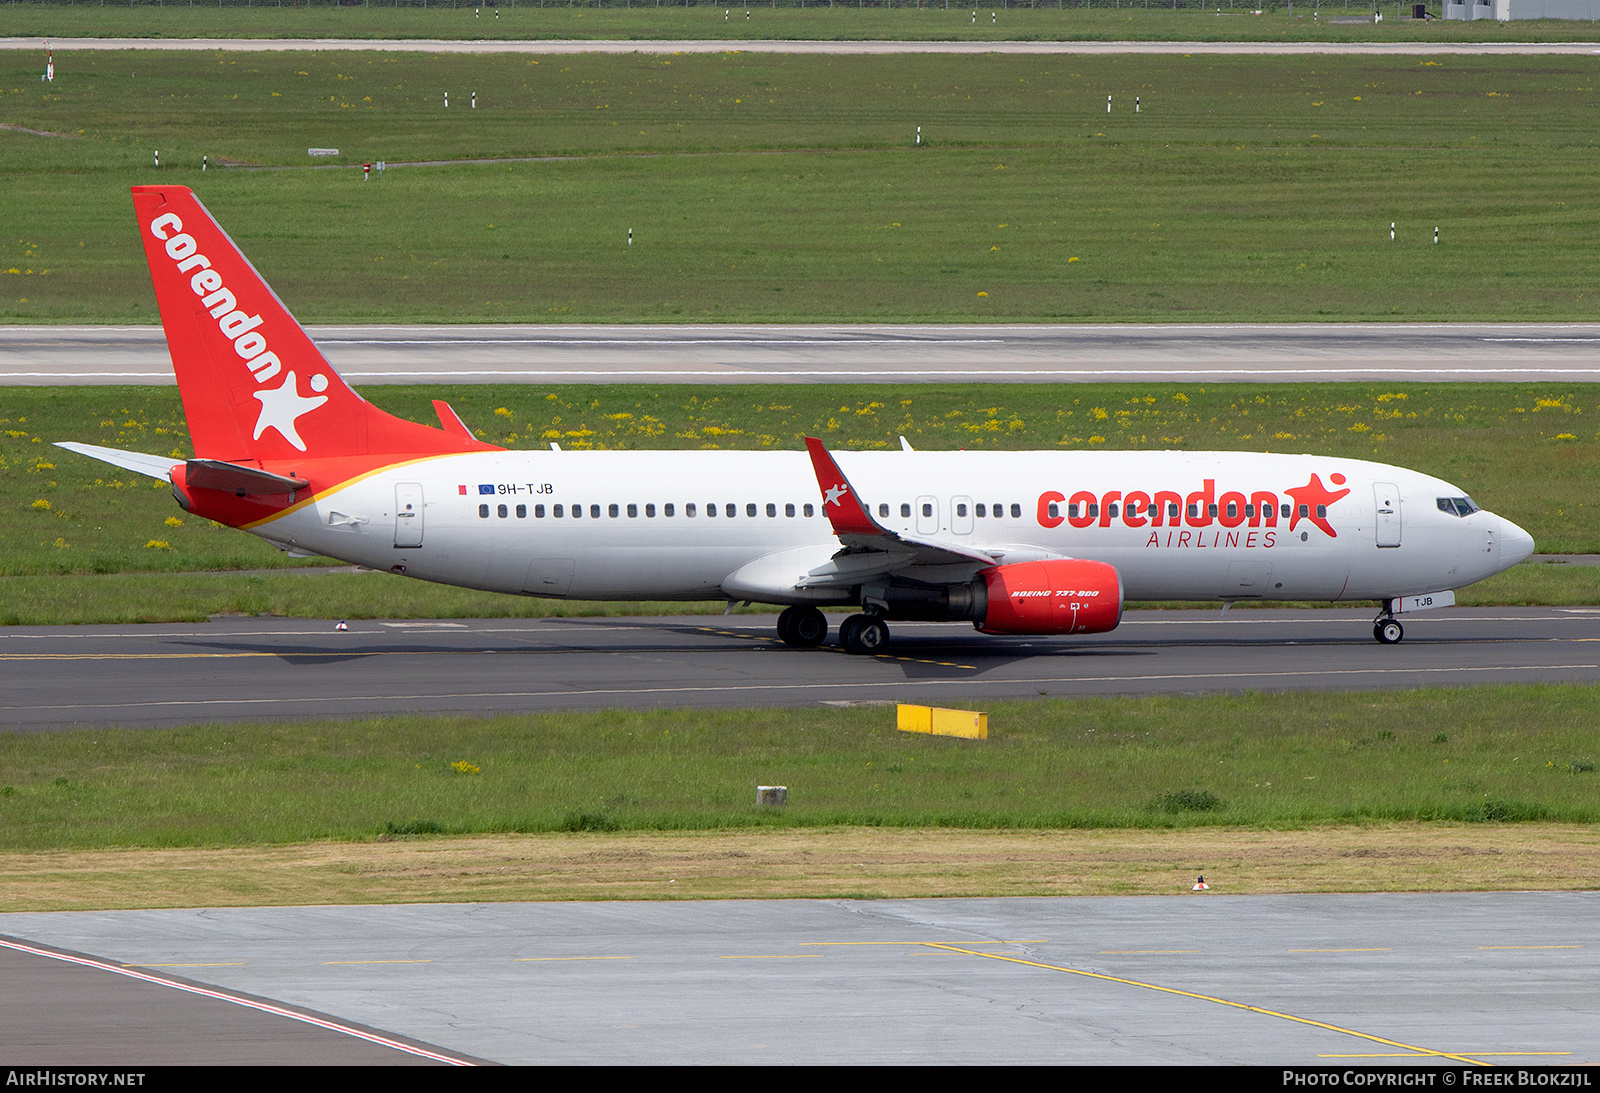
265,669
908,353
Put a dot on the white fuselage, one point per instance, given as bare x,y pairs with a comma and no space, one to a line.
646,529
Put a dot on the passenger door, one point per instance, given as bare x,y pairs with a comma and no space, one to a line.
408,514
1386,500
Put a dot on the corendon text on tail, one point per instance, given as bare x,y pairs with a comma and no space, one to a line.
1015,542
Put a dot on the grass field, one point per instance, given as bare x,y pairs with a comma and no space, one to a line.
790,188
1490,754
815,863
1010,22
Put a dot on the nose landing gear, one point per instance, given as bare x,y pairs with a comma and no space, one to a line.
1388,630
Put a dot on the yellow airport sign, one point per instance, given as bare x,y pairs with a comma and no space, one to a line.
969,724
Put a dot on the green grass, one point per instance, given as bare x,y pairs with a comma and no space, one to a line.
1495,754
772,187
842,22
1522,450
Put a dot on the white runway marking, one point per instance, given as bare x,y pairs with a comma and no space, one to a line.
247,1003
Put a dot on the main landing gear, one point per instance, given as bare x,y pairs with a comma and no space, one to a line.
802,627
806,628
863,635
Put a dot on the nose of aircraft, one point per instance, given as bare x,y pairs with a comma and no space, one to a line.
1515,544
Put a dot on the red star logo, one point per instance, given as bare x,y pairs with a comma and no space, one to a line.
1311,495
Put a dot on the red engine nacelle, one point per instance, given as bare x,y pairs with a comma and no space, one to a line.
1065,596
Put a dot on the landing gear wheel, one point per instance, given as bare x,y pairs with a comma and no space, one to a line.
1388,631
802,627
864,635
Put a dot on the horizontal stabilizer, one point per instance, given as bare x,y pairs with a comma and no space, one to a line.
156,466
214,474
450,421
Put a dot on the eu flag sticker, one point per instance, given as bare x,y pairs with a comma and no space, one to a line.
482,489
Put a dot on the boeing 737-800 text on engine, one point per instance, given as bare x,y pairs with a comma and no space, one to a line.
1016,542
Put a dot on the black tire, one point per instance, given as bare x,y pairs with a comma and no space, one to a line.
847,632
1388,631
803,627
868,637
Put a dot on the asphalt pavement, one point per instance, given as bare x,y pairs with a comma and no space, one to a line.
253,669
901,353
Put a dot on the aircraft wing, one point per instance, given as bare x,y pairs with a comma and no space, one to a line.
869,547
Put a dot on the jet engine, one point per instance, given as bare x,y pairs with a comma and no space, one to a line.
1059,596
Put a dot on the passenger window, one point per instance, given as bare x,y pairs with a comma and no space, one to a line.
711,510
1285,512
577,512
1111,510
1211,510
483,511
522,512
611,511
961,510
1055,511
558,512
1194,512
905,511
1016,512
538,512
749,510
980,511
650,510
927,509
1322,510
688,510
1094,510
788,510
731,511
808,510
1305,510
501,512
772,510
667,510
1249,510
633,511
594,511
1072,511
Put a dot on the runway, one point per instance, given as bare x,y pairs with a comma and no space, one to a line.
261,669
1118,353
1312,980
758,45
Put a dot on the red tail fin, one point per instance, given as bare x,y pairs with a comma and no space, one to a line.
254,385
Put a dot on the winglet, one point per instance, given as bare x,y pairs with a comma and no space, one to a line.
839,501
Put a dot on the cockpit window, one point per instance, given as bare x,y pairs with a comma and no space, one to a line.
1458,506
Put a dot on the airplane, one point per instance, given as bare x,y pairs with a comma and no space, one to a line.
1044,543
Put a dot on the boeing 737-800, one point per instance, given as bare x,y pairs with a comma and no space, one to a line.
1015,542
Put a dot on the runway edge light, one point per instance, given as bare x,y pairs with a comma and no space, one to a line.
968,724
